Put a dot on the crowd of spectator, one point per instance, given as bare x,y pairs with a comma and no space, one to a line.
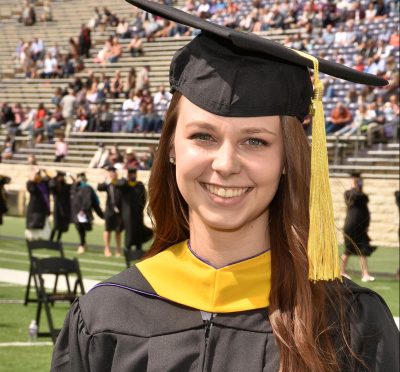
38,61
29,17
112,156
338,31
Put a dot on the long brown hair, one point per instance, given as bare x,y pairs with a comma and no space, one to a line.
298,308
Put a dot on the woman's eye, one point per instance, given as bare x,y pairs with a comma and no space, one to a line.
255,142
202,137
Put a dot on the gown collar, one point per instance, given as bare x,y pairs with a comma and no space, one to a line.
179,275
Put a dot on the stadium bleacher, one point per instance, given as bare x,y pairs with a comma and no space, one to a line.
345,153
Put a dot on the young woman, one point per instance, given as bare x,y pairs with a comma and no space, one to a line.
233,281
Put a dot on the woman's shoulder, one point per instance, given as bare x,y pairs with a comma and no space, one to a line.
367,310
373,333
127,304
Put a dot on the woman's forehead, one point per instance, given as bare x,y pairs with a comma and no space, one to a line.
193,116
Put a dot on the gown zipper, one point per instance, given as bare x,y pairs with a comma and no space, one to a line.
207,329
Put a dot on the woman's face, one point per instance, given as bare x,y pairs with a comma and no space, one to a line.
227,168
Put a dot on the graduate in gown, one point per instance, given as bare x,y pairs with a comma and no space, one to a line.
243,273
356,224
60,190
3,198
38,209
132,203
112,214
84,201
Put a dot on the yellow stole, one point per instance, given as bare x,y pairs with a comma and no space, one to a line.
179,276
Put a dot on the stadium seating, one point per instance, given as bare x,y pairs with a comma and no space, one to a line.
68,18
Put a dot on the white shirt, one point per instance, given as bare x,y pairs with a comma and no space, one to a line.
130,104
50,65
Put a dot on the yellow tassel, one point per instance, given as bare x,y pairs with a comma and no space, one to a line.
323,255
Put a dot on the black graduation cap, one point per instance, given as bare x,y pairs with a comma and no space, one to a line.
244,74
132,170
81,175
60,173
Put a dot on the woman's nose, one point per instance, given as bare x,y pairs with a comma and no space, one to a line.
226,160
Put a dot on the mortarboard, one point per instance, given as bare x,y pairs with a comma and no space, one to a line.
233,73
60,173
132,170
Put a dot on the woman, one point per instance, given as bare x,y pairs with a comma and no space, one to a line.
234,278
356,239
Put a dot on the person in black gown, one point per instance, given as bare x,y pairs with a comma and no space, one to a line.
356,239
60,190
112,214
3,199
38,210
132,204
243,273
84,201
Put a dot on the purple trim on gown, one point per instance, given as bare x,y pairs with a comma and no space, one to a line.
232,263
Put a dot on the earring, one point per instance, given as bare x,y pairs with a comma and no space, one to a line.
284,171
172,160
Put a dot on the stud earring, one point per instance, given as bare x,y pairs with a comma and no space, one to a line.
172,160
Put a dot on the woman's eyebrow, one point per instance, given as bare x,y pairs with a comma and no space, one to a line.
200,124
249,130
255,130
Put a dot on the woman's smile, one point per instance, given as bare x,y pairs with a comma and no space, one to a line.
225,191
225,195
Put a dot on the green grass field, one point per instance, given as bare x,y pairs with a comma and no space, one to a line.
15,318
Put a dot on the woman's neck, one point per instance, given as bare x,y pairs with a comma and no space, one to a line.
222,248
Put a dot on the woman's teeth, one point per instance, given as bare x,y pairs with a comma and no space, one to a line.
226,192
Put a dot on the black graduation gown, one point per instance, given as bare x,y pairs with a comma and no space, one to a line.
61,207
38,208
122,325
112,215
3,202
133,201
356,223
84,199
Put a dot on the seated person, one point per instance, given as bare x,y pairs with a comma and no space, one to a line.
136,46
154,121
362,118
8,150
340,117
55,121
122,29
81,121
105,118
115,52
133,102
138,122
